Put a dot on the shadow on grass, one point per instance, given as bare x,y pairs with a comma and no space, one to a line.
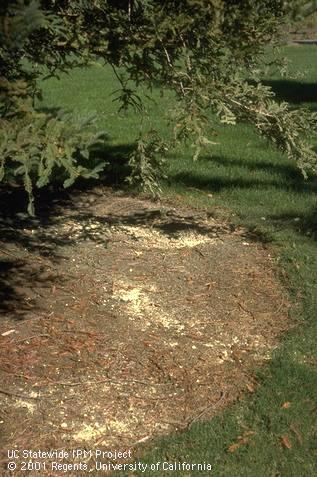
117,159
295,92
301,223
288,172
290,179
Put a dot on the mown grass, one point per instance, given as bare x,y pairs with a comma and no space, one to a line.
250,183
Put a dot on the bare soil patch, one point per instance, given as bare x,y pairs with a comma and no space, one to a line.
124,319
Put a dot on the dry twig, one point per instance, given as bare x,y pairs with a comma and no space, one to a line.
21,396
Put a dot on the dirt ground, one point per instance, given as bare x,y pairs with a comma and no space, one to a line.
125,319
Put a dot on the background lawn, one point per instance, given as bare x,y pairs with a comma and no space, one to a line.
248,182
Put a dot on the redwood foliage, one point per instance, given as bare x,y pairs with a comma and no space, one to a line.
202,50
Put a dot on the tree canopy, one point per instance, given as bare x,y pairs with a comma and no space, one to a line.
301,8
207,51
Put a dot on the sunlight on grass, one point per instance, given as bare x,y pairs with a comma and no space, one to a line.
250,183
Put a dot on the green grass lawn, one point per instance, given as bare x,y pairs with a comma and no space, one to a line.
250,183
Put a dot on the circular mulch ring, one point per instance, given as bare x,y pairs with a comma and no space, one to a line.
138,319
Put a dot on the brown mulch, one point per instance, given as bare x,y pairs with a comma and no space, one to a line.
125,319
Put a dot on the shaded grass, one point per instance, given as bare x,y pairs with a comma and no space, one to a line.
291,90
248,182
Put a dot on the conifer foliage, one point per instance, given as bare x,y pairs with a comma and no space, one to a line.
36,147
203,50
